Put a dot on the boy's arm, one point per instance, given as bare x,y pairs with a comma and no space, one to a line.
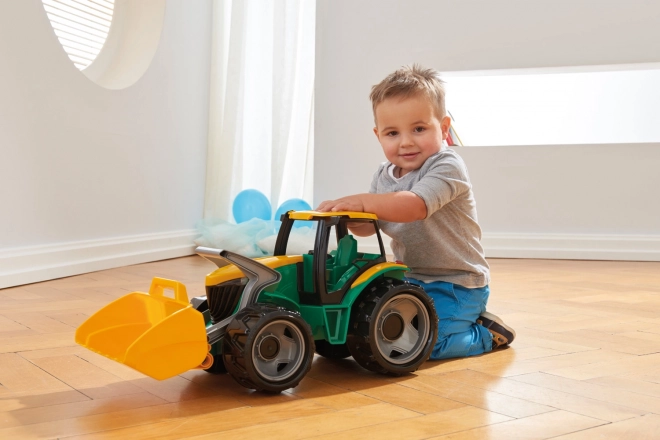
399,207
361,229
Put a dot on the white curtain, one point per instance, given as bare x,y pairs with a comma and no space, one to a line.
261,103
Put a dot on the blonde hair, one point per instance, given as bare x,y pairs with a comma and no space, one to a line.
410,81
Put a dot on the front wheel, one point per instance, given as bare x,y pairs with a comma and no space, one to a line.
268,348
393,328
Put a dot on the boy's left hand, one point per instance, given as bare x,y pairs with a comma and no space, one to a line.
348,203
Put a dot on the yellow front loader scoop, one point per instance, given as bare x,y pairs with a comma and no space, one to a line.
157,335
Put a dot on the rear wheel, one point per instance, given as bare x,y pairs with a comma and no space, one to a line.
393,328
268,348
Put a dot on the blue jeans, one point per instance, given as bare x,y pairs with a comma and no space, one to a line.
458,309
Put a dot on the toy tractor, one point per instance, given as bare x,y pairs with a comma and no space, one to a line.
262,319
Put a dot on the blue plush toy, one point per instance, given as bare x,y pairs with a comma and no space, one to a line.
292,205
250,204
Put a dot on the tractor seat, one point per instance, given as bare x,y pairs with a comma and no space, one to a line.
346,254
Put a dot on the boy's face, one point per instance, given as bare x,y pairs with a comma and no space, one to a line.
410,131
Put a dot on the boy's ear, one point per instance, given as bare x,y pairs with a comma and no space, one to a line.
376,132
445,123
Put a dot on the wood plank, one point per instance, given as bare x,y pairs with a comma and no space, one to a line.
630,365
477,397
366,417
85,377
640,428
38,399
422,427
10,325
174,420
593,391
628,384
330,395
51,413
18,375
557,399
36,341
414,399
552,363
539,427
39,322
498,360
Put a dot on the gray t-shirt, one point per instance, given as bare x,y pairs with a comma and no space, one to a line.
445,246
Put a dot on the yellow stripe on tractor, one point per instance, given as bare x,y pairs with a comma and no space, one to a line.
231,272
156,335
378,269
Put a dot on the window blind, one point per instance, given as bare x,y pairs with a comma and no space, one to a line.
81,26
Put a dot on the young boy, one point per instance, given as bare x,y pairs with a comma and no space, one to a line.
423,198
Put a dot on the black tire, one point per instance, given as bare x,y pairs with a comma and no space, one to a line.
393,327
332,351
268,348
218,366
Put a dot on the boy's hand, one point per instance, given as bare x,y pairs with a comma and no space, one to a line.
348,203
400,207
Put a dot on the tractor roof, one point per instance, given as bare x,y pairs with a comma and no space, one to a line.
310,215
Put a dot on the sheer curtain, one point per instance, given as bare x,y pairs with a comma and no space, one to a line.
261,102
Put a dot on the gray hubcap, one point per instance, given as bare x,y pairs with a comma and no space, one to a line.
278,350
402,328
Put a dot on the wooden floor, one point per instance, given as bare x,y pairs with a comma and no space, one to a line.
585,365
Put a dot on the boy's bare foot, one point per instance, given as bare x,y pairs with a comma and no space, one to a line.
503,335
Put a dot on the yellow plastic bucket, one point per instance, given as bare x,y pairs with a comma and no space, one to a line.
157,335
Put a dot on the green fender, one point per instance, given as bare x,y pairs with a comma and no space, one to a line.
336,318
393,270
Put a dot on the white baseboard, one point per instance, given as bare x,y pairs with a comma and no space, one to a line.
39,263
573,246
557,246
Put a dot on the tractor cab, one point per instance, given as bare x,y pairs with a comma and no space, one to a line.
328,270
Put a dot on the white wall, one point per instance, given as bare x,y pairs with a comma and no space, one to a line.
92,178
596,201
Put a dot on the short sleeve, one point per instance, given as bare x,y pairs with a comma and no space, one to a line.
374,180
444,180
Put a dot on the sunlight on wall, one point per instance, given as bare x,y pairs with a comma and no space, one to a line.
556,108
81,26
